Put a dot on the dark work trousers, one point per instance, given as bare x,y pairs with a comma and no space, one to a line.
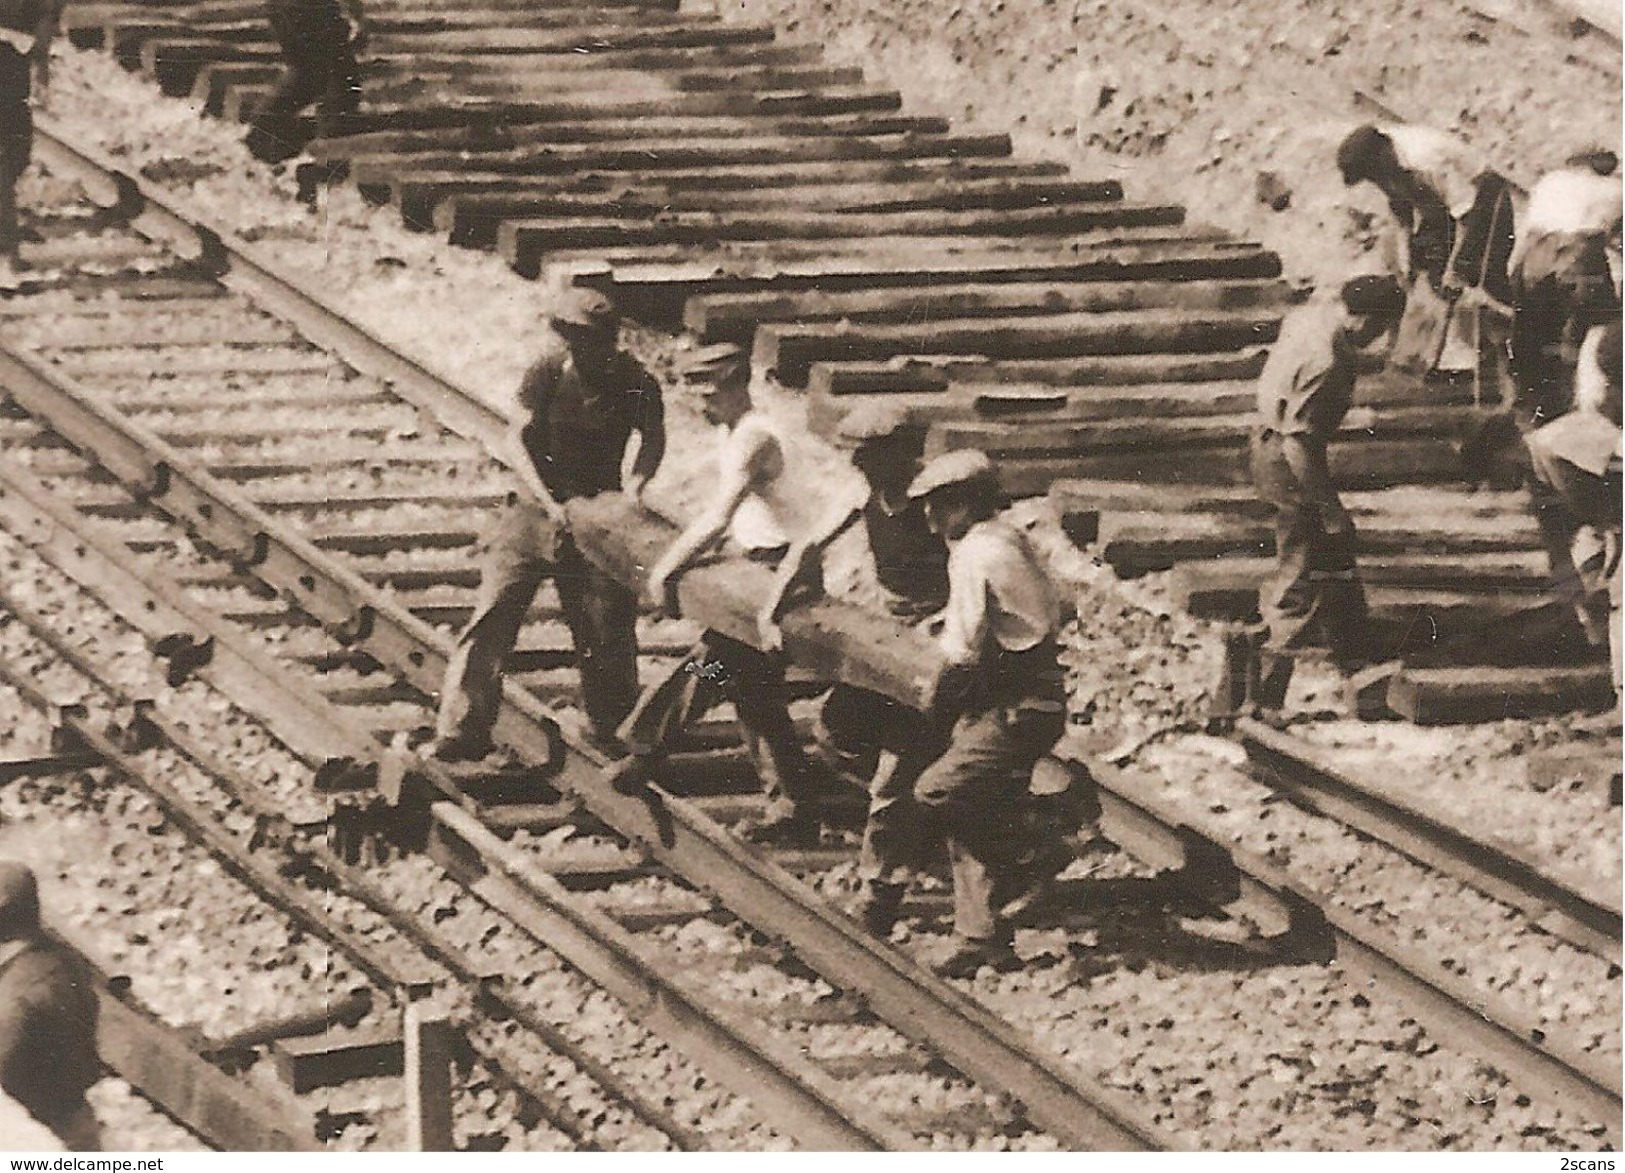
1562,288
16,119
521,550
1484,233
1314,596
719,669
975,796
320,67
874,737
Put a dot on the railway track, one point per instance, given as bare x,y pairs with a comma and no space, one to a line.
385,926
345,548
719,180
470,850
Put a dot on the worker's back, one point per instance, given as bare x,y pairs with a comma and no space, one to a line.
48,1013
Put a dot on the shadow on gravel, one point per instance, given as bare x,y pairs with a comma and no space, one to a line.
1135,923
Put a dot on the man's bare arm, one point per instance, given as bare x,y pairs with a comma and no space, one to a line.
701,534
797,563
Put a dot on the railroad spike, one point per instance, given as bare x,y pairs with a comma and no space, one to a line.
157,482
259,549
128,203
65,735
185,654
132,728
356,628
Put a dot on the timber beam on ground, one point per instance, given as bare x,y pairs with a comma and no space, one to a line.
720,317
164,1066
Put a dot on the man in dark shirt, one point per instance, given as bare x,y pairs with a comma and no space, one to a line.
860,732
580,404
27,28
319,41
48,1013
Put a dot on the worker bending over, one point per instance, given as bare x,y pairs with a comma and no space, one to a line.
1306,388
1578,457
1456,213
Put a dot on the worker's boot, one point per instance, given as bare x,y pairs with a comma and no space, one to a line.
1274,678
791,832
1035,882
878,906
968,957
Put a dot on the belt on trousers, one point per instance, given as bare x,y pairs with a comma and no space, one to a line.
1011,678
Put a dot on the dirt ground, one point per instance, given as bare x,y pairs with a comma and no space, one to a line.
1191,102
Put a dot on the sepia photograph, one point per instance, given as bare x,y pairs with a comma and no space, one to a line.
654,576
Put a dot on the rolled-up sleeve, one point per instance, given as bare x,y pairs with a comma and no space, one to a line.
965,618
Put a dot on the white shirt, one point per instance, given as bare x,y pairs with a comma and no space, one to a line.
783,502
1572,201
998,591
1441,162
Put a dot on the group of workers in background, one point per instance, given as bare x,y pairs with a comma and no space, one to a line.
1555,274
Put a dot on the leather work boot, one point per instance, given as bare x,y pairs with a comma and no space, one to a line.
793,831
878,906
1036,883
968,957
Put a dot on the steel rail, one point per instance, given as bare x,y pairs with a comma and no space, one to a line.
1312,778
490,988
1056,1098
152,1056
801,1103
1150,828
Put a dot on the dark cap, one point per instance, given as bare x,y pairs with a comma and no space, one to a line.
1374,296
1357,155
869,422
19,901
584,309
965,466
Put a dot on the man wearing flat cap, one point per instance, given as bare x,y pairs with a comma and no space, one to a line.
578,408
1305,390
48,1012
861,732
764,501
998,633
